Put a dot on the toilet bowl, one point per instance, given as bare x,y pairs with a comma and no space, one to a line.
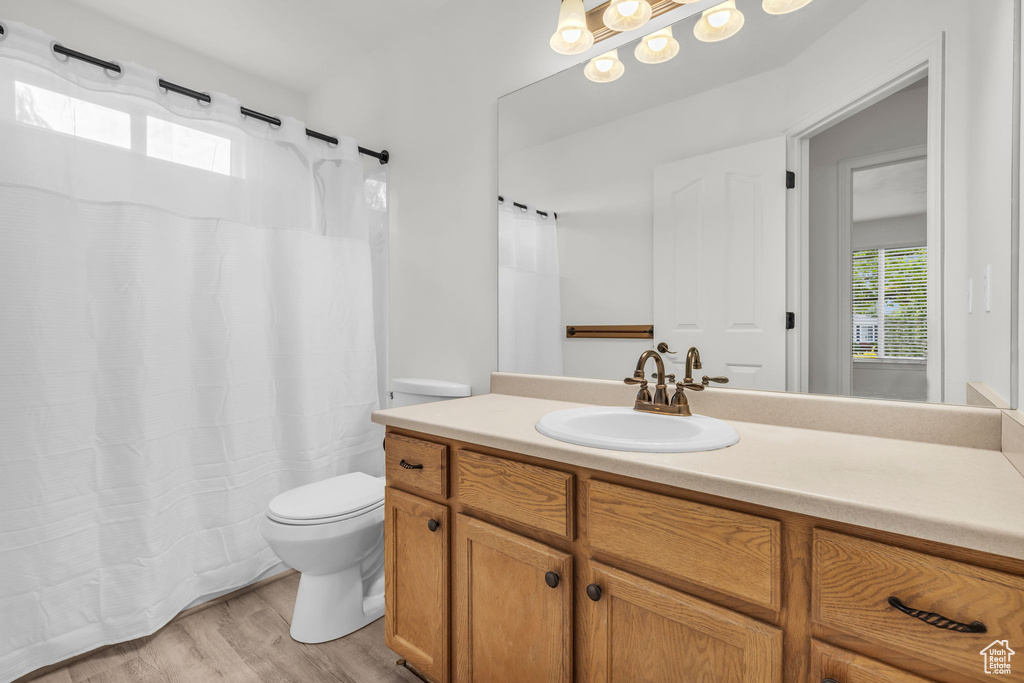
332,532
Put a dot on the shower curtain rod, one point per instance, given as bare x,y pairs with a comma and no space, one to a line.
383,156
524,207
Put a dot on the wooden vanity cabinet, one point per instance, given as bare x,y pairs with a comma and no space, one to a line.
559,573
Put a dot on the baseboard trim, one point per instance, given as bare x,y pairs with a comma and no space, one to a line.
50,668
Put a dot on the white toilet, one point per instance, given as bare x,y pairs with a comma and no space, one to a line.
332,532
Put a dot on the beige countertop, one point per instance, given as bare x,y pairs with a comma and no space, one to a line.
969,497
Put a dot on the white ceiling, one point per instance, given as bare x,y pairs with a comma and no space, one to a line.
766,42
890,191
298,44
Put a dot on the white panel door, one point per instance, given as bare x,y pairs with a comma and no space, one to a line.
720,262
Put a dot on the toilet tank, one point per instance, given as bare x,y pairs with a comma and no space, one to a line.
407,391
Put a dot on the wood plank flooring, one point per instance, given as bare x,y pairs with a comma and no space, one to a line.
243,640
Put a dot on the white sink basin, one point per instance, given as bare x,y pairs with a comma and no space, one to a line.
625,429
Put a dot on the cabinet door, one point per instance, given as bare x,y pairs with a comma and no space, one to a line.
416,582
638,630
513,606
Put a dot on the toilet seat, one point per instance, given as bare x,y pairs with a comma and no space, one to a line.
331,500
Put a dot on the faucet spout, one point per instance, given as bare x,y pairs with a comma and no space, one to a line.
661,388
692,363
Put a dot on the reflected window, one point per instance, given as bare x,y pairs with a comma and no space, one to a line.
69,115
890,304
187,146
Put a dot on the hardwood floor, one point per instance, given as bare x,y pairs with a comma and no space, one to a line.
242,640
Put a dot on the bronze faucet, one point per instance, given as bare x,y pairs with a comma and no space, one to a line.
693,363
660,402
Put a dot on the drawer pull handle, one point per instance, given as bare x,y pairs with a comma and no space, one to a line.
594,592
408,466
433,525
937,620
551,579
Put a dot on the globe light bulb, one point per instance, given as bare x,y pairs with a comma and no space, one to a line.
604,68
719,22
657,44
627,15
720,18
571,35
629,7
657,47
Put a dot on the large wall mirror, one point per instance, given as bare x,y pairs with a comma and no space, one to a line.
823,202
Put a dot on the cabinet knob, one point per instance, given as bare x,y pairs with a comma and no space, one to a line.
551,579
594,592
433,525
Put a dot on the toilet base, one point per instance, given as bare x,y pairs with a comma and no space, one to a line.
330,606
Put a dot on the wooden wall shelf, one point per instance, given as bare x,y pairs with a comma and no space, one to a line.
609,332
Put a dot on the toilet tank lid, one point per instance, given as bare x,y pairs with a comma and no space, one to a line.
340,495
430,387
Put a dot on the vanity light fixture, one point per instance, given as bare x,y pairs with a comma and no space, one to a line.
719,22
605,68
572,35
783,6
657,47
627,15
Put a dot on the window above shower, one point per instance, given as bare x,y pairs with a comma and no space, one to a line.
146,134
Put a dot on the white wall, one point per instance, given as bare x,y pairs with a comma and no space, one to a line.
430,97
89,32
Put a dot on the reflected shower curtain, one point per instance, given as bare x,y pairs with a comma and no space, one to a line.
529,295
186,330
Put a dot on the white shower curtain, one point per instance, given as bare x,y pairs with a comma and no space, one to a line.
186,329
529,295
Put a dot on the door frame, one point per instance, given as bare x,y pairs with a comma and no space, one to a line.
928,61
844,267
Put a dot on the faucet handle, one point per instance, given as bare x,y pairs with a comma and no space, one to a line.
635,380
692,386
718,380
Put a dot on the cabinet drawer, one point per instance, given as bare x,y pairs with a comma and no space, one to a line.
727,551
531,495
848,667
417,464
854,580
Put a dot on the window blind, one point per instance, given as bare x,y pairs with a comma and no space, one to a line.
890,304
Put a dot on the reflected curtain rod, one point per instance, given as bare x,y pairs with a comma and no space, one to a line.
524,207
383,156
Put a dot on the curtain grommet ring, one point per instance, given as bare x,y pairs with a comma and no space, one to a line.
4,31
63,59
114,75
